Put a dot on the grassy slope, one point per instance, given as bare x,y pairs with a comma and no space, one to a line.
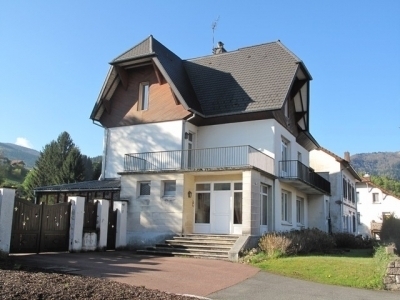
355,269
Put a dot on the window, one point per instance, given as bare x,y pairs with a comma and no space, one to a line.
354,222
349,191
375,198
285,156
144,96
264,205
222,186
344,188
353,199
169,188
358,197
144,188
237,208
286,207
300,210
202,212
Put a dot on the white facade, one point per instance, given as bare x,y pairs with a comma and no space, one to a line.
342,205
240,201
373,204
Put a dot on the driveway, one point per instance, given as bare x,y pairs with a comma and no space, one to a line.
211,278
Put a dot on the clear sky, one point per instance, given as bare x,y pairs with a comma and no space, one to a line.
55,54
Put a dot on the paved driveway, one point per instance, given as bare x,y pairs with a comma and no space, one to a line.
212,278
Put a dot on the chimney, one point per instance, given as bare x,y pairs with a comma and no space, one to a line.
219,49
347,156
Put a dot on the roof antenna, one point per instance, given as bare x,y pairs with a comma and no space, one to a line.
213,26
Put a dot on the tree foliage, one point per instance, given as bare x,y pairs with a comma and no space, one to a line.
387,183
59,162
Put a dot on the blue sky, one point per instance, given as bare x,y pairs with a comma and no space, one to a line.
55,54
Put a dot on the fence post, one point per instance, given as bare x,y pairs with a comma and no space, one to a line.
7,198
76,224
122,208
102,223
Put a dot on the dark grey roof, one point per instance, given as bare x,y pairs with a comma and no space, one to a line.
250,79
103,185
142,49
170,62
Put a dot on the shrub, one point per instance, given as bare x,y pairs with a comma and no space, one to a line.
348,240
277,244
390,232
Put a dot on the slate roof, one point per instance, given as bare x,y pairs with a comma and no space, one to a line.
250,79
103,185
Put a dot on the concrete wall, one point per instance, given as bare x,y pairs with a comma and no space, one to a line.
6,215
341,210
138,139
150,219
370,211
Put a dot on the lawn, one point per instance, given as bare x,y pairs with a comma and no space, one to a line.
357,268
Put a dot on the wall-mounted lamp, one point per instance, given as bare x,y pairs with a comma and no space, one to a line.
190,194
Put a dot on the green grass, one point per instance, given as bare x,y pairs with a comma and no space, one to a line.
357,268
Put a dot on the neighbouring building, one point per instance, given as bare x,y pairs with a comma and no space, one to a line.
374,203
342,207
217,145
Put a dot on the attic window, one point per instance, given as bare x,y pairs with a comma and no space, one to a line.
286,109
144,96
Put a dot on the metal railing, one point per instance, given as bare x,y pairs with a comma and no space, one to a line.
294,169
198,159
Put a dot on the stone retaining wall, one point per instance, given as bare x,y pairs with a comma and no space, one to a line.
392,278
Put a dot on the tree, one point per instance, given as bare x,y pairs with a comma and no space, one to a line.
59,162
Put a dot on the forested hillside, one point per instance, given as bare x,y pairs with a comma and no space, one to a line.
378,163
15,152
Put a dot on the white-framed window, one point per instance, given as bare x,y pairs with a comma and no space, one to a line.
203,202
300,210
237,202
144,88
344,188
285,156
286,206
144,188
169,187
264,204
375,197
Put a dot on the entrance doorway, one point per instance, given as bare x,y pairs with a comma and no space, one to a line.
221,211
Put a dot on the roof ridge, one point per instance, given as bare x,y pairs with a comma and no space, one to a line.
136,45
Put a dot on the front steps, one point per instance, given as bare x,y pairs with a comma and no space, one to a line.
195,245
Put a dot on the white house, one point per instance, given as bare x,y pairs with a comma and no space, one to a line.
374,203
215,145
342,208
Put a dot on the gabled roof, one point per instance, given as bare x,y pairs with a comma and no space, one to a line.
378,187
344,162
103,185
250,79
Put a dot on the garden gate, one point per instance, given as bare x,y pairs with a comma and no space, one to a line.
40,227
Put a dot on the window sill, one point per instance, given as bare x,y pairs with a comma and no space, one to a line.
168,198
286,223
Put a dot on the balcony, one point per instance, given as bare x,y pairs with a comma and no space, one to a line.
303,177
223,158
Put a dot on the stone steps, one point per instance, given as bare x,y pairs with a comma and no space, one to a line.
195,245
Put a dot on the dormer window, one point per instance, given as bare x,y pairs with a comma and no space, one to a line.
143,96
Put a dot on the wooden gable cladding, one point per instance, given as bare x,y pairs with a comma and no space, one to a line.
124,102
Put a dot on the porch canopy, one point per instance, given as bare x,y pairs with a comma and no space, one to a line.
108,189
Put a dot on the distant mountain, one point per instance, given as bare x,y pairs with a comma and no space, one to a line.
15,152
378,163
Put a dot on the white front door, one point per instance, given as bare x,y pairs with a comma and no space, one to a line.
221,211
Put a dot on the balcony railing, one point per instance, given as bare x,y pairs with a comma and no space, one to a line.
294,169
376,227
199,159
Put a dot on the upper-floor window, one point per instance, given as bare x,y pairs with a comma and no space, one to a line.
344,188
375,198
143,96
285,155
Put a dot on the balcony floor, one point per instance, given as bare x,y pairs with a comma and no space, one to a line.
302,186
